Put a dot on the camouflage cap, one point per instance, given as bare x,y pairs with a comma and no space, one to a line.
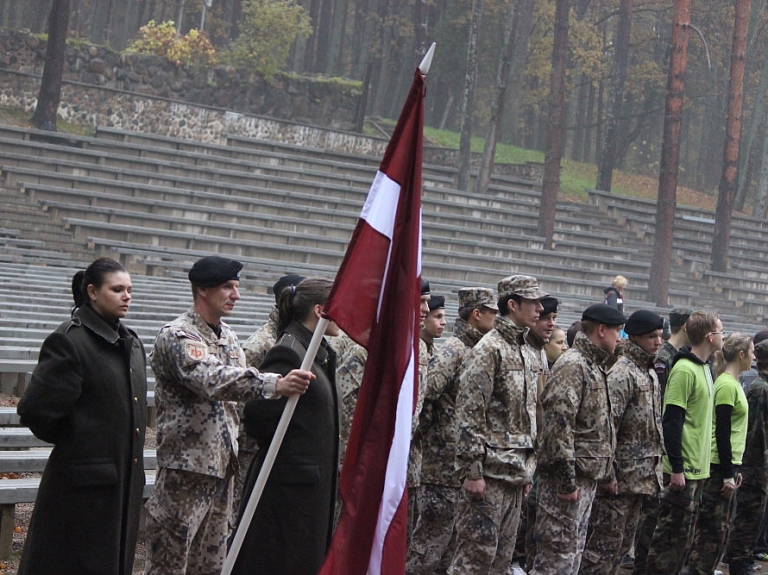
476,297
761,352
524,286
678,316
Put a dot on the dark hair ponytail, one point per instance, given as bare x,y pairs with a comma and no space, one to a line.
94,275
296,302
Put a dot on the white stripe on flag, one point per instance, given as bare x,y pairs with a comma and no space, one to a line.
397,467
380,206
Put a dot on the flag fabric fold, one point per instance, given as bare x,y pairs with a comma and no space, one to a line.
375,300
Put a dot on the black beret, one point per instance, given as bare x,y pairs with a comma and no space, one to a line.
642,322
214,270
549,304
678,316
436,302
424,287
604,314
284,282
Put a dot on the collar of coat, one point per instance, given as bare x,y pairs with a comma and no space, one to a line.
509,331
87,317
296,333
466,333
204,329
638,355
592,351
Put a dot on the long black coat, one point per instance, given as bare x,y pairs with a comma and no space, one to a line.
87,396
293,524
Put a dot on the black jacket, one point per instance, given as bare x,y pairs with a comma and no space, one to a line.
291,530
88,396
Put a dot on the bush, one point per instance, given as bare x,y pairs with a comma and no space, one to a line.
266,34
161,40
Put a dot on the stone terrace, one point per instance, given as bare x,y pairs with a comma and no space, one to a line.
158,203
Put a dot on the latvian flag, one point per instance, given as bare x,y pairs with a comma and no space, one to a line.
375,300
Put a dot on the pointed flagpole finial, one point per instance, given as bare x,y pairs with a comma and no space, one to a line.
426,63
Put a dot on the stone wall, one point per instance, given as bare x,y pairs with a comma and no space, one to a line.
145,93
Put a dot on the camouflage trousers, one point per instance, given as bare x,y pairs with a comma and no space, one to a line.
187,523
674,528
750,506
712,526
649,515
486,529
432,546
530,524
561,527
612,525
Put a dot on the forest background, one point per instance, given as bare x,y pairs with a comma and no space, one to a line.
376,40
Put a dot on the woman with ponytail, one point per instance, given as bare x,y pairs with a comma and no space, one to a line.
729,435
292,526
87,397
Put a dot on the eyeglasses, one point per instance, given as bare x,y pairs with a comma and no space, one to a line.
717,333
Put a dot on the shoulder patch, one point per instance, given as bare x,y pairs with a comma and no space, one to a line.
187,334
195,351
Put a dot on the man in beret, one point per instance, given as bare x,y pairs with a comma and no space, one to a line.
687,421
496,433
577,441
200,376
636,407
751,496
429,551
434,323
677,339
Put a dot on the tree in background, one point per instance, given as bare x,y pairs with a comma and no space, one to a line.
607,157
50,89
468,101
722,236
661,266
163,40
266,34
551,181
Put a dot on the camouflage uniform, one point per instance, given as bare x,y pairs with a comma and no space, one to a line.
429,546
426,351
496,418
199,378
663,364
525,548
750,498
255,348
636,406
576,448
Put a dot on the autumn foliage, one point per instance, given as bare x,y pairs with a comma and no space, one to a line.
161,40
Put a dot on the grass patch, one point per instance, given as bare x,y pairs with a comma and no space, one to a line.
19,117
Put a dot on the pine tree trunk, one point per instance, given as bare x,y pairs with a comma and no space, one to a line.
722,234
55,53
551,180
661,265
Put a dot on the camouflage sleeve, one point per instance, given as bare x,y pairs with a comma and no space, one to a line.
620,390
442,369
184,359
476,379
561,402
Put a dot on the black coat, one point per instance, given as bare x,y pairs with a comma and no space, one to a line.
291,530
88,396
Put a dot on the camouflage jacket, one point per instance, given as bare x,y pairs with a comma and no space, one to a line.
754,463
663,364
438,443
496,408
636,405
262,340
578,437
539,366
426,351
349,376
199,378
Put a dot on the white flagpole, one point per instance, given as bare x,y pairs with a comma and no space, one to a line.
269,460
426,62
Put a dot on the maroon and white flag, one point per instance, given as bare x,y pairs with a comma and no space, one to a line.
375,300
